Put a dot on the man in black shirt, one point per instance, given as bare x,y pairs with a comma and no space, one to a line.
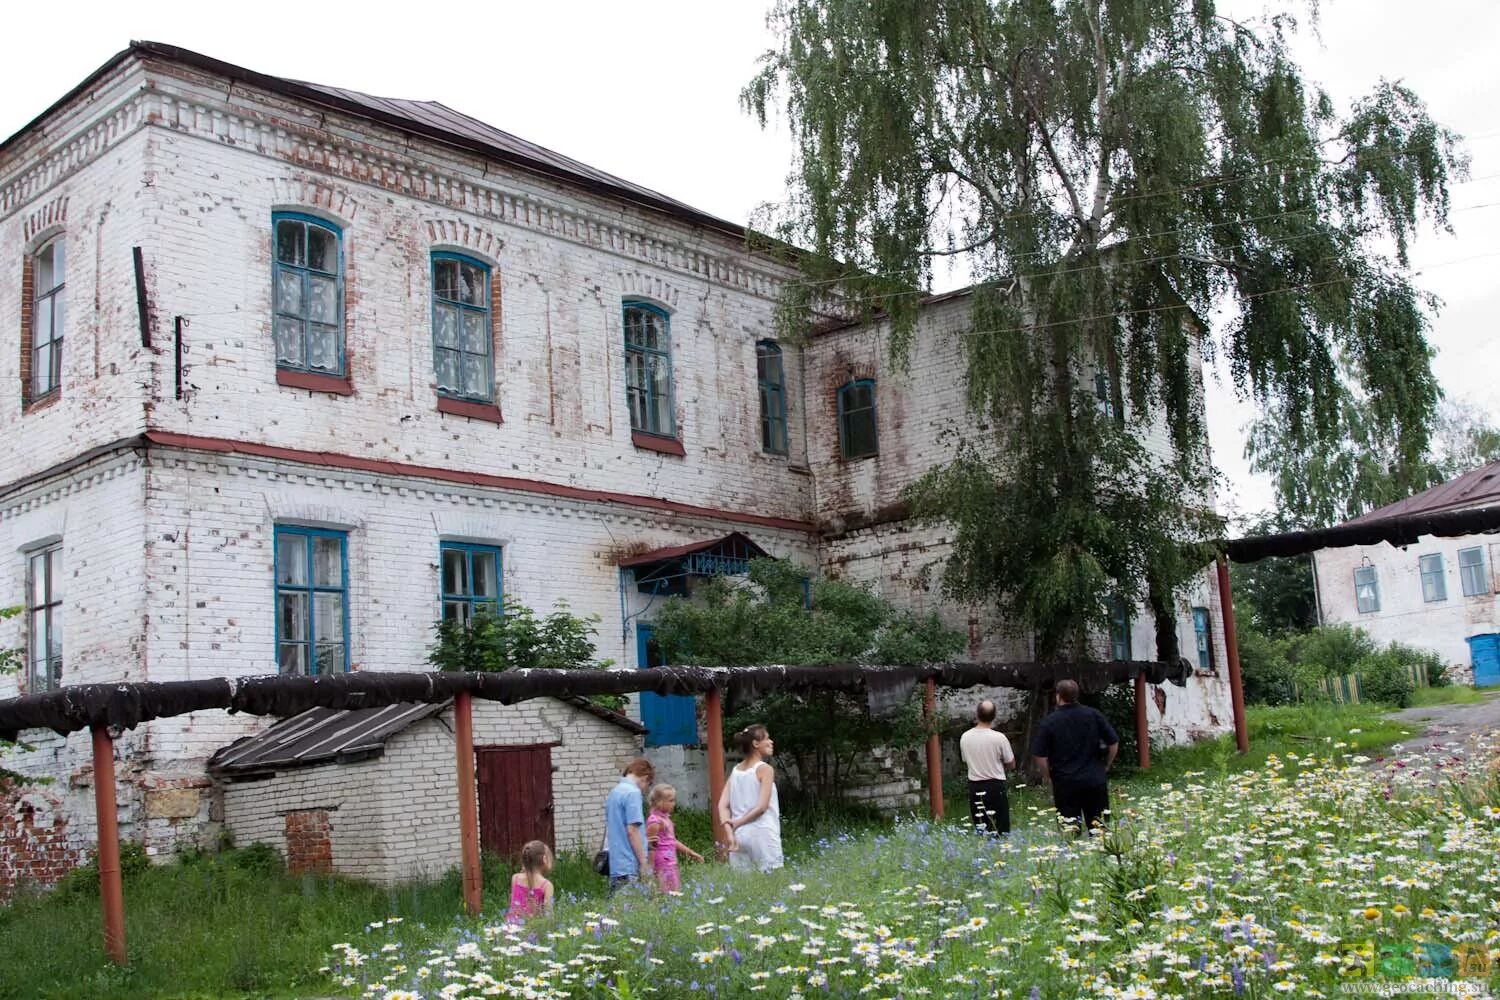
1067,748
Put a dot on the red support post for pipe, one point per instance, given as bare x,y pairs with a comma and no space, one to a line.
1232,650
934,752
1142,730
111,892
468,802
713,709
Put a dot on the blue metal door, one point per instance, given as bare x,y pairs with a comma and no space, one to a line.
672,720
1484,652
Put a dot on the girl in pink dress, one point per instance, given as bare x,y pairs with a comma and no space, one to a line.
530,891
661,835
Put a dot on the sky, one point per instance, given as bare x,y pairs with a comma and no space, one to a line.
649,90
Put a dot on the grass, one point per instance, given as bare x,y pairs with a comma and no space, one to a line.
1449,694
232,925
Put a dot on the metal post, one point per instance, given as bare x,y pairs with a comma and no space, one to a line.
934,752
1142,731
714,710
111,893
468,801
1232,650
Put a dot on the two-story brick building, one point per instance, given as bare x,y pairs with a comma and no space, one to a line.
295,370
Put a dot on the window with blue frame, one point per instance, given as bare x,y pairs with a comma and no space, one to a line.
1203,639
648,369
1471,572
462,334
771,378
857,437
1119,629
470,580
1366,590
312,600
307,283
1434,586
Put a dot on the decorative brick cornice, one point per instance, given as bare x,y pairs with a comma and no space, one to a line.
71,153
70,482
302,190
648,286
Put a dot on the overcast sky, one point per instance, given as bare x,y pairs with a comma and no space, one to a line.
648,90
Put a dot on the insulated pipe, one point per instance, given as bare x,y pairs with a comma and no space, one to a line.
1232,649
1142,731
468,801
714,710
934,751
111,894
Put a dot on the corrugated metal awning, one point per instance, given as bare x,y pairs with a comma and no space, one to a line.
320,735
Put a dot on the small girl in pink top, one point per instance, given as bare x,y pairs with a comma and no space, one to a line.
530,891
661,835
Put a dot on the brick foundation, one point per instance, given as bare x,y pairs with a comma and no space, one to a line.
36,849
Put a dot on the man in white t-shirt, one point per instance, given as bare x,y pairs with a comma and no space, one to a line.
987,753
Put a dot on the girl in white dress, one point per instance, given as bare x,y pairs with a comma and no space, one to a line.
749,807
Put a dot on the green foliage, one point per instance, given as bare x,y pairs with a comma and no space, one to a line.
83,881
1278,670
1323,483
1384,678
1274,595
11,661
766,621
1107,171
517,639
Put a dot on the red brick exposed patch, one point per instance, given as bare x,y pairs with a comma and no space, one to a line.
309,846
35,850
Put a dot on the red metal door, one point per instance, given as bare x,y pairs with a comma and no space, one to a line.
515,797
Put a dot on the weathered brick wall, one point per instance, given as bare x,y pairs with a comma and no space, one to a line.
1404,616
348,795
395,819
38,842
565,261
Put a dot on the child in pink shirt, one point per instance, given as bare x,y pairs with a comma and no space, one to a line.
661,835
530,891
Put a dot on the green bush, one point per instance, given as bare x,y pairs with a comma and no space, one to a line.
1331,651
83,881
1385,677
1266,670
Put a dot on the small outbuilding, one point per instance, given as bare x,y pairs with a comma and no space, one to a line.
372,793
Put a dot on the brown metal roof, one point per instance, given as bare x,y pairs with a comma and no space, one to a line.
1472,489
327,735
428,119
734,544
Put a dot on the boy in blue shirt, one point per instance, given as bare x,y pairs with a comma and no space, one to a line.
625,824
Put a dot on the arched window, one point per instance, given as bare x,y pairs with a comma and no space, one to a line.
771,378
308,291
648,369
857,438
462,331
48,272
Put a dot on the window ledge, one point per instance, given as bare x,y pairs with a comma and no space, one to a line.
338,385
41,402
468,408
655,442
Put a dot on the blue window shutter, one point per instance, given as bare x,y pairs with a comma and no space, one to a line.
307,293
311,574
463,331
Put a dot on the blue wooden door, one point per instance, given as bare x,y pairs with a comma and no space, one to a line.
1484,652
671,720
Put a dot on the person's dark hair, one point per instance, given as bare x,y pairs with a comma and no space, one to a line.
985,712
641,767
745,739
1067,691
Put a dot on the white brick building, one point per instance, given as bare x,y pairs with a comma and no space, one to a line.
369,339
1437,594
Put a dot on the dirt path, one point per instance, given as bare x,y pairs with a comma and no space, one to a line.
1445,732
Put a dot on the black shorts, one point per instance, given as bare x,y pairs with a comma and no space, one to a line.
1084,804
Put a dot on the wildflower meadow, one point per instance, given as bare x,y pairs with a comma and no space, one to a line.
1317,871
